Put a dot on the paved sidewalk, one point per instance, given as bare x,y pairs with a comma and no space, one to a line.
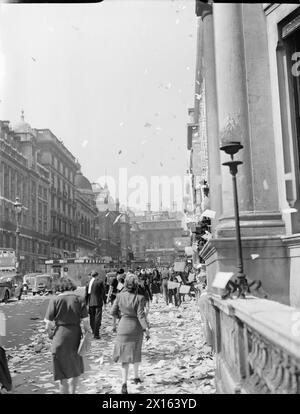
175,360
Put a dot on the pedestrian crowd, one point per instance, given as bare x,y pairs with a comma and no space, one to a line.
72,320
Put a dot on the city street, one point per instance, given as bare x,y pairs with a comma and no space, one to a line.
175,360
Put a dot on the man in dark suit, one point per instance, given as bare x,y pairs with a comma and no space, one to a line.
95,297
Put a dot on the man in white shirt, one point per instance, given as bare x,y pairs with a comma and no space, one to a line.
95,298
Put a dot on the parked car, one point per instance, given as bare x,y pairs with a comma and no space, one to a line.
43,284
10,286
29,281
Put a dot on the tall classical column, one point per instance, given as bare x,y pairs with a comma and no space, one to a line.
211,105
244,114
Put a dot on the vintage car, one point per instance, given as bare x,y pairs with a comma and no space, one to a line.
10,286
40,283
29,281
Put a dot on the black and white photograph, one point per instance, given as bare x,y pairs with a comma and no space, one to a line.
149,200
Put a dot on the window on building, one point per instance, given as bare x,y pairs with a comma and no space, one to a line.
6,182
45,194
288,59
6,214
13,185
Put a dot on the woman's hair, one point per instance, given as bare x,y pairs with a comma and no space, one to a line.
65,284
131,282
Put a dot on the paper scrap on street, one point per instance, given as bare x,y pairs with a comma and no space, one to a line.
221,279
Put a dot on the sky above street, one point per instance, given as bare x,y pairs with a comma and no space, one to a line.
112,80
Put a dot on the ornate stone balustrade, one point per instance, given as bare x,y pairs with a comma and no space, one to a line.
257,345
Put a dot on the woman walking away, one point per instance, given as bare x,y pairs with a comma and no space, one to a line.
129,307
63,317
155,285
144,290
112,293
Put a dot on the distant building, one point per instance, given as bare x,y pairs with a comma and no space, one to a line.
113,228
86,217
152,237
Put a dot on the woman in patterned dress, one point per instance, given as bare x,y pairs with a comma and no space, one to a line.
64,315
129,307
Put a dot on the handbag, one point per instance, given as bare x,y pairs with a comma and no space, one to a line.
85,344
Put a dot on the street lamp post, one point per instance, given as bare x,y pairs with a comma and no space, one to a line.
241,284
18,209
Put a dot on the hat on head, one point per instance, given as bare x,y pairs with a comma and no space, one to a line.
94,273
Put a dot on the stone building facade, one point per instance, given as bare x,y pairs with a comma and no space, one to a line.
58,218
63,168
252,96
23,175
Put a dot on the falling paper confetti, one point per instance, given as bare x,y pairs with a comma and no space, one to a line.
188,68
33,59
147,125
161,164
121,124
120,152
84,144
254,256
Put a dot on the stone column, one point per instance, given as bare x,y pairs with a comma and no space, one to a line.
244,114
211,105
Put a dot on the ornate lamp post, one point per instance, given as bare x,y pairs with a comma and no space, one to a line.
232,148
241,284
18,209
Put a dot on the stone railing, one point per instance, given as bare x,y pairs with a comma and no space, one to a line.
257,345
